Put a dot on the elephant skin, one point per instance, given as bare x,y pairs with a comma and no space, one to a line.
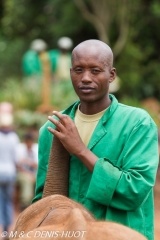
58,217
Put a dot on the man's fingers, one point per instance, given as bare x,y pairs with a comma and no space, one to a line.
55,132
57,123
58,114
63,117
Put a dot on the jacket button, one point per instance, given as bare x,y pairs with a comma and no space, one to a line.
81,195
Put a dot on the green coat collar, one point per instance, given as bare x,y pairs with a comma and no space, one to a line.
100,130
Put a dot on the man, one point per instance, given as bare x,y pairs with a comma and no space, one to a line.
27,158
113,147
31,62
8,143
61,59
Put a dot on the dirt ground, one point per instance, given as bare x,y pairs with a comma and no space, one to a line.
157,207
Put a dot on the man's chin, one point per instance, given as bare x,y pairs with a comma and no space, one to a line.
88,100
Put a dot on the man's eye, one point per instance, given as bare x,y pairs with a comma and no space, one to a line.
96,71
78,70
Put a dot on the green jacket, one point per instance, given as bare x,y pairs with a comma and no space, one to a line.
120,188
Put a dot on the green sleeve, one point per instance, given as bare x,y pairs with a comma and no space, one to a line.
126,186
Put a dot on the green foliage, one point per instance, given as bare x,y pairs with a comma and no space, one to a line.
155,9
21,94
27,119
128,70
10,58
21,21
63,94
26,97
135,103
27,94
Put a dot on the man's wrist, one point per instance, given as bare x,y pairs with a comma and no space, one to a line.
81,154
87,158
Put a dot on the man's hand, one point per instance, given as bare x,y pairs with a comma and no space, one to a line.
67,133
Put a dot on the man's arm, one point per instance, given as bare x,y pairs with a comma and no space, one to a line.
127,186
67,133
124,187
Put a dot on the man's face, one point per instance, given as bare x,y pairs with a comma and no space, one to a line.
91,74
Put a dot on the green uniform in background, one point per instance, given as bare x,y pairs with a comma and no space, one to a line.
120,188
60,64
31,63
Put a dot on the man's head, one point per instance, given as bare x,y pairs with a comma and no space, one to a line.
92,70
6,115
65,44
28,139
38,45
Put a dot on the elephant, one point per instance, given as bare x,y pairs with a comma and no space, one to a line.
57,216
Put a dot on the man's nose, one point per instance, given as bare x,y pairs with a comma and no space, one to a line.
86,77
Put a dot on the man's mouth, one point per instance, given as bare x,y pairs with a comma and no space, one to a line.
86,89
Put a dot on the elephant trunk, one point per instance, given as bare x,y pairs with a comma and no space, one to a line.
57,179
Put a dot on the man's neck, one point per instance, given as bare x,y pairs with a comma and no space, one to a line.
91,108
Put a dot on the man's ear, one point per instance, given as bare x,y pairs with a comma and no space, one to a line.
112,75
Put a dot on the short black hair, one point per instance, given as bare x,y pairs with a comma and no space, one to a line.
28,136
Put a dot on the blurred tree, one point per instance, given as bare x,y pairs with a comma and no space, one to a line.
48,20
131,29
103,15
139,62
24,20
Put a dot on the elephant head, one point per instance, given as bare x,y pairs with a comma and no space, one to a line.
59,217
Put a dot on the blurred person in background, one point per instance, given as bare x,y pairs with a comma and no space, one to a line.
61,63
37,66
26,158
8,142
61,59
49,70
31,62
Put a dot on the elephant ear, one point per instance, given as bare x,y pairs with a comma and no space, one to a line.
57,179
